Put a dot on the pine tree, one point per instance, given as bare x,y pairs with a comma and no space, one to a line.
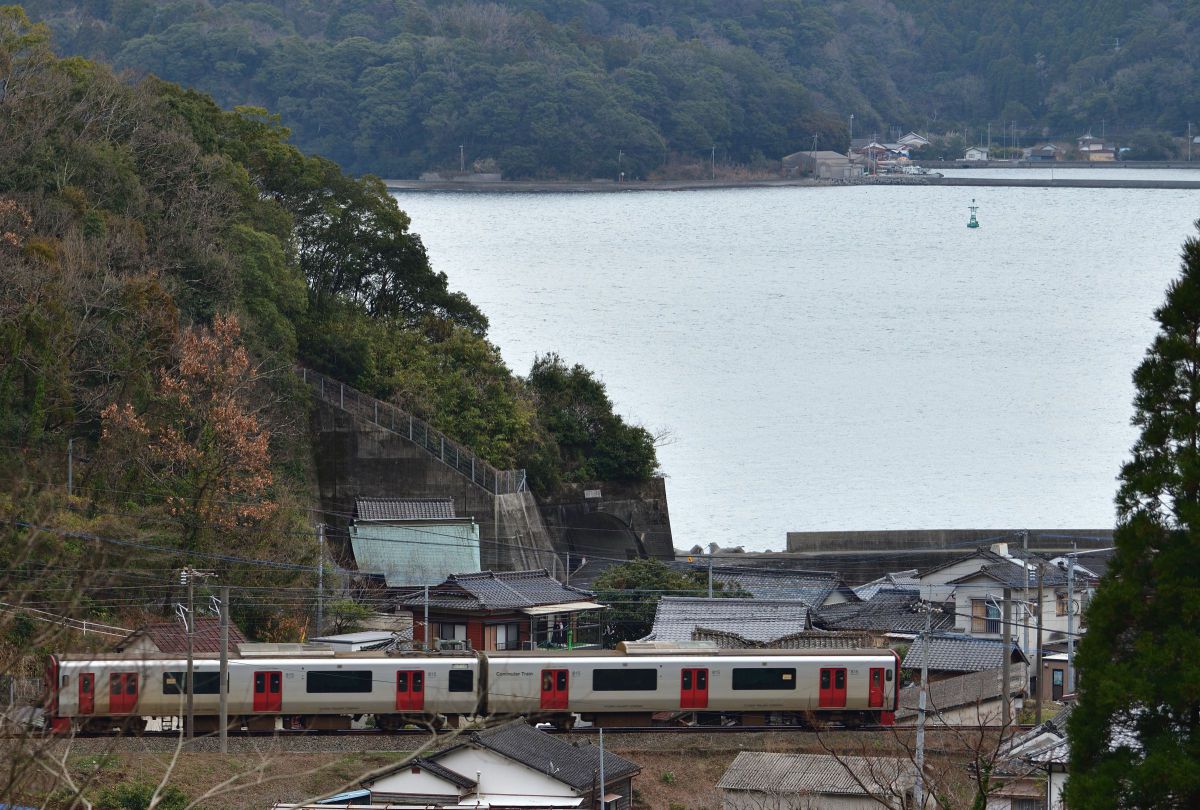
1135,735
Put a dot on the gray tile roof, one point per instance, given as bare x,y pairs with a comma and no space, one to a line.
453,777
403,509
964,690
679,617
904,580
959,653
820,774
498,590
804,640
813,587
888,611
570,764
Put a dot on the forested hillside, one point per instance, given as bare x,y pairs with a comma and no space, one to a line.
164,264
541,88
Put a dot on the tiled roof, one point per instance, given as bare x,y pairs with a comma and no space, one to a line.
399,509
888,611
1013,575
958,653
820,774
678,618
171,637
974,688
904,580
498,590
441,771
814,587
804,640
570,764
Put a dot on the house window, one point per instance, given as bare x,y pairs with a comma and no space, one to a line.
1026,804
985,616
451,631
1060,604
502,636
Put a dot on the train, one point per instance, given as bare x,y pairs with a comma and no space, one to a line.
634,685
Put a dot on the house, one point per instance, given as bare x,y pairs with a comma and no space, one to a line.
498,610
171,638
758,780
972,699
899,613
1043,153
412,541
823,165
744,624
1035,762
952,655
913,141
976,153
1053,681
513,765
1096,149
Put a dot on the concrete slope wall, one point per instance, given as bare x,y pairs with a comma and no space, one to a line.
525,541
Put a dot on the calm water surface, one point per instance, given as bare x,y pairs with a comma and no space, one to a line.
839,358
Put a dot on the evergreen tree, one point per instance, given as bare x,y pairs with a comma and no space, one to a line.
1135,735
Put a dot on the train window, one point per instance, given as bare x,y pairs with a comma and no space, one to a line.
462,680
702,679
260,682
114,684
326,682
824,679
131,685
887,675
765,678
562,680
839,679
687,679
276,682
547,681
418,681
401,681
85,685
203,683
624,680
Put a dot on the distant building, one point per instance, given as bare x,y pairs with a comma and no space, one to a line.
1044,153
499,610
817,588
952,655
171,638
976,153
890,612
913,141
822,165
973,699
412,541
744,624
1096,149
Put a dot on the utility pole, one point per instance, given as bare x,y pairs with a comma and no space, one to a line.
1040,685
189,683
320,578
1006,666
620,174
851,147
426,631
710,596
223,687
462,160
922,698
71,442
1189,141
602,802
1025,593
714,176
989,143
1070,685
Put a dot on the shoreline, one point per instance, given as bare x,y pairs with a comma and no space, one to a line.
610,187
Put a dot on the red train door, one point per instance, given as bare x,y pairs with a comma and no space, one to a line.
122,692
693,689
410,690
832,694
268,692
87,693
875,689
554,689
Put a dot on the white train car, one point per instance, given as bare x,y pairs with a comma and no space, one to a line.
315,691
627,688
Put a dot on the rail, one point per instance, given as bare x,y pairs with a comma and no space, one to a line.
415,430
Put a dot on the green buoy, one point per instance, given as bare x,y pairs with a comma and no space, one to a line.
974,223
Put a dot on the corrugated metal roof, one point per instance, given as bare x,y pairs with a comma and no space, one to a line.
679,617
820,774
403,509
957,653
408,554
